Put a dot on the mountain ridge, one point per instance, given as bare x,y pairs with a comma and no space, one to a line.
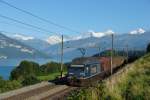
11,48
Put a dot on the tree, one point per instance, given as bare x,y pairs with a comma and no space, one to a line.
51,67
148,48
25,68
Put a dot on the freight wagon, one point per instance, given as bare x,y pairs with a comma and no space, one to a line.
86,71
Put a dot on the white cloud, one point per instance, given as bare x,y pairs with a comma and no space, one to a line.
138,31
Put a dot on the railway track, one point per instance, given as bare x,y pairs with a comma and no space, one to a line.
41,91
60,95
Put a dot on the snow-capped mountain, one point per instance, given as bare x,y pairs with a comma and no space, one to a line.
22,37
42,44
54,39
90,41
137,31
101,34
31,41
10,48
91,44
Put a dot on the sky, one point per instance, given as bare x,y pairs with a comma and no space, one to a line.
121,16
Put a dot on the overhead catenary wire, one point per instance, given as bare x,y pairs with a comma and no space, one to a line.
24,28
26,24
38,17
85,47
20,27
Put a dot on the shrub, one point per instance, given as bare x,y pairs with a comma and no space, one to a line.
6,85
30,80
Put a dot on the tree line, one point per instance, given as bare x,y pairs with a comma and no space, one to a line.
26,73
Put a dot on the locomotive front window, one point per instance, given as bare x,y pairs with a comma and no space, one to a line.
76,71
93,69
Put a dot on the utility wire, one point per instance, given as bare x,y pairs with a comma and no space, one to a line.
38,17
26,28
22,27
26,24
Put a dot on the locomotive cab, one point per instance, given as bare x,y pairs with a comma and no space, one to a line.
76,71
83,71
84,68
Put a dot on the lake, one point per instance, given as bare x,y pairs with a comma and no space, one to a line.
7,65
5,71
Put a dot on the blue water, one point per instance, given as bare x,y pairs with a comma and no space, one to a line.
6,66
5,71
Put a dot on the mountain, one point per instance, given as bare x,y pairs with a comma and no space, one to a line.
137,31
91,44
33,42
54,39
42,44
12,49
90,41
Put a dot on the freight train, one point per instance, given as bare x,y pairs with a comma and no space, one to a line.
86,71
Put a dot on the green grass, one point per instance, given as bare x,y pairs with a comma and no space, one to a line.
49,76
132,84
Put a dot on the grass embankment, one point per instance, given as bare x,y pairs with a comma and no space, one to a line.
131,84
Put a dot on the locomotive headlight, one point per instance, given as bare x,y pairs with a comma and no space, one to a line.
71,73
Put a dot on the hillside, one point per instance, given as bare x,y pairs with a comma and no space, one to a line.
12,49
33,42
130,83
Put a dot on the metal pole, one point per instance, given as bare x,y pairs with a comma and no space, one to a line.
99,51
127,52
62,46
112,53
